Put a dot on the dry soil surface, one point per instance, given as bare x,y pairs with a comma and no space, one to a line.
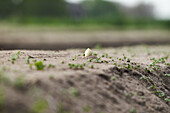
12,37
107,82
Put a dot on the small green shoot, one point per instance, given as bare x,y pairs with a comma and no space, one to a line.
51,66
167,99
39,65
91,66
19,82
132,110
62,62
113,78
95,54
167,75
14,57
160,93
73,92
153,87
87,109
28,59
40,106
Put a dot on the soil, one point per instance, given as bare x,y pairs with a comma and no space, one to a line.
110,86
13,37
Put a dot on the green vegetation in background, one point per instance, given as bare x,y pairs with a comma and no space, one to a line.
98,13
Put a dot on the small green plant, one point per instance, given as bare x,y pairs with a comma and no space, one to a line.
132,110
3,78
73,92
28,59
86,108
39,65
106,55
19,82
91,66
102,55
143,97
90,60
14,57
167,99
95,54
159,93
98,60
105,61
31,65
167,75
62,62
74,58
40,106
115,64
168,64
113,78
76,66
153,87
51,66
2,98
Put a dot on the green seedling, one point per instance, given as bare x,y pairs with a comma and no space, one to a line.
106,55
34,60
3,78
167,75
105,61
98,60
39,65
153,87
77,66
62,62
128,60
115,64
87,109
51,66
2,98
40,106
113,78
167,99
73,92
91,66
14,57
160,93
90,60
124,57
28,59
95,54
132,110
168,64
31,65
143,97
19,82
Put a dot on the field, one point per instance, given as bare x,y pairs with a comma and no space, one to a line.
113,80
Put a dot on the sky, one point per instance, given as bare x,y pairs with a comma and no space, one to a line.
161,7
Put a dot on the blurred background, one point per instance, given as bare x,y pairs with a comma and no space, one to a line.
63,24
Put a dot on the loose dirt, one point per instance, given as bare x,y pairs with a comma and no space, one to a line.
116,83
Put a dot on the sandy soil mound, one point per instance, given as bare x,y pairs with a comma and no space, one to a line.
122,80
